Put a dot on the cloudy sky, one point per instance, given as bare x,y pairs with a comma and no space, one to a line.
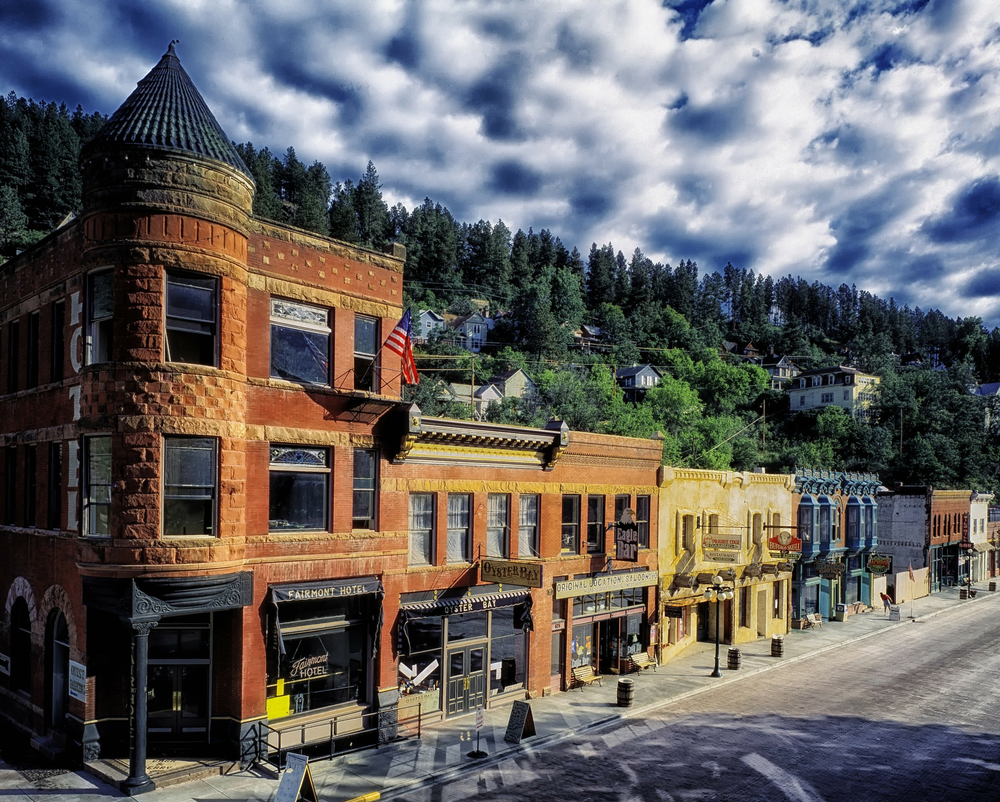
841,140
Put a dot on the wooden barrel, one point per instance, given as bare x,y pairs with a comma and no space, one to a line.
626,691
777,646
993,585
963,593
735,658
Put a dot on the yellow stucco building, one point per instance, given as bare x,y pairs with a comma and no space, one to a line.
717,523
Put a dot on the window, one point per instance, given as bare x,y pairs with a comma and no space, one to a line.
826,398
756,529
778,610
365,465
686,539
13,350
300,342
298,489
189,481
847,395
497,525
744,607
806,519
191,319
527,526
570,525
30,483
100,308
55,486
10,485
97,486
20,647
57,343
802,400
32,381
595,524
459,547
57,667
421,528
642,520
713,523
824,519
365,348
622,503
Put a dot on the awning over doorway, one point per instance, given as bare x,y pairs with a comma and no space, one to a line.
465,604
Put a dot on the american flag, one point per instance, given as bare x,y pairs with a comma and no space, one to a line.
400,342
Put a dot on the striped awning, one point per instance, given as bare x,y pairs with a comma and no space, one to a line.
465,604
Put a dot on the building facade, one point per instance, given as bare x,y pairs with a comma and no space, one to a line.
719,523
855,392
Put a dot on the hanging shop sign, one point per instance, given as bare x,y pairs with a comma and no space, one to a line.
673,612
627,537
718,548
77,681
605,583
785,544
511,572
879,564
965,545
829,570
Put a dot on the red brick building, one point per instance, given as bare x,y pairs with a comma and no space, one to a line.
219,516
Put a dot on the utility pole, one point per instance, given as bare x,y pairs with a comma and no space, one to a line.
472,390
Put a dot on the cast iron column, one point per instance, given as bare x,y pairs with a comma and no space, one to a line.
138,781
718,613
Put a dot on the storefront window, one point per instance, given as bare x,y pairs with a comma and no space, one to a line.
507,652
582,646
810,600
468,626
420,670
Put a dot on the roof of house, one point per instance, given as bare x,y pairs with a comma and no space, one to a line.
431,313
167,111
635,370
989,388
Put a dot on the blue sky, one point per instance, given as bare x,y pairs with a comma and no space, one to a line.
843,141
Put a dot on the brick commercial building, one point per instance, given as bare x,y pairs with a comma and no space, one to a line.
220,518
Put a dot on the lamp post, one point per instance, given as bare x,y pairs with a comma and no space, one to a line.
717,593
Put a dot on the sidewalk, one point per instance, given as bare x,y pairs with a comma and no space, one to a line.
442,751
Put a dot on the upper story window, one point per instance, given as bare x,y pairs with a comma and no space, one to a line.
55,485
421,528
191,321
459,529
527,526
852,524
100,320
595,524
30,483
57,341
497,525
365,348
686,534
10,484
13,350
300,342
826,398
824,518
642,506
365,471
807,519
97,486
298,489
33,322
570,525
190,478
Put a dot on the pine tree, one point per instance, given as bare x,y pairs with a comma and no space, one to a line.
372,212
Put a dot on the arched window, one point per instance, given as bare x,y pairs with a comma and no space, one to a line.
807,518
20,647
57,668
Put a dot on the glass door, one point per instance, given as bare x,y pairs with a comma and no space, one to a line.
466,686
178,703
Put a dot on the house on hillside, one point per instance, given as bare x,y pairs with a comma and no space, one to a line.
428,321
514,384
511,384
471,330
587,336
781,370
636,380
855,392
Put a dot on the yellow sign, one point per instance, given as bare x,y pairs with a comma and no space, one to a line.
508,572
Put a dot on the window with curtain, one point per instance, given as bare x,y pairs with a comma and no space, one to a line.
527,526
595,524
497,525
459,545
570,525
421,528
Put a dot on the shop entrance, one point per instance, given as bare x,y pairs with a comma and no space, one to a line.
466,688
178,685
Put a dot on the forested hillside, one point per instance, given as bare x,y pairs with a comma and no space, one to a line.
711,409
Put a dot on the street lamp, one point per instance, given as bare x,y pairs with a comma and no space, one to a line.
718,593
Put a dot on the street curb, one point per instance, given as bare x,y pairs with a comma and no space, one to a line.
544,741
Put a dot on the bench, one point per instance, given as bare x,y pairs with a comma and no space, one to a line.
584,675
641,660
812,620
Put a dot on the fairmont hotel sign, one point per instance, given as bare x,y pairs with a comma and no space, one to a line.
605,583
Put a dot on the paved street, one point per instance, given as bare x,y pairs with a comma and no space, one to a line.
867,709
911,714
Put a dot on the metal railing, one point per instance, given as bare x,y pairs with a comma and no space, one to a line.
324,740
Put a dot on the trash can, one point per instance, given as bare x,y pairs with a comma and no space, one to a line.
841,613
777,646
626,691
735,658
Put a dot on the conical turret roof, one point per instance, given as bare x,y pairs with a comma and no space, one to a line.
167,111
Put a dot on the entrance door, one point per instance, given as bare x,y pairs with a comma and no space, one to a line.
762,616
609,645
703,621
177,703
466,679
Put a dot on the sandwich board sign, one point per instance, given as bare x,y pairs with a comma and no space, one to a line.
521,724
296,782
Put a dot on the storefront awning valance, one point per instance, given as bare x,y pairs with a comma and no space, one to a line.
326,589
466,604
284,597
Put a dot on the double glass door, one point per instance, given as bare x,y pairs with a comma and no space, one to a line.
466,685
178,686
